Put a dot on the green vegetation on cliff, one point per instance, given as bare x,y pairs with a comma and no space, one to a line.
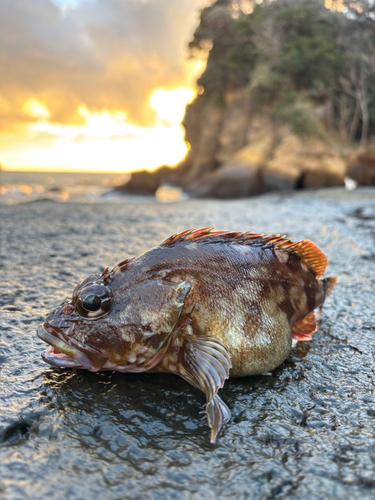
303,64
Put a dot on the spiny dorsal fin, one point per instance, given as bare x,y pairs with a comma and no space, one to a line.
309,253
304,329
207,235
120,268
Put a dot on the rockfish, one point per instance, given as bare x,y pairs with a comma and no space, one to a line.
203,305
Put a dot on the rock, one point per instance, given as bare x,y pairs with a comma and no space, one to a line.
203,122
170,194
329,172
303,163
145,182
280,176
230,181
317,411
236,152
323,167
284,170
235,125
238,177
238,145
361,168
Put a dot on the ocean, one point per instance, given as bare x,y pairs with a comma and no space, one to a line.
21,187
25,187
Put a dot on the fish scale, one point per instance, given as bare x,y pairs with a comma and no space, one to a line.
205,305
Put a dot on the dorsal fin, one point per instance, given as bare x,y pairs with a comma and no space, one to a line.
207,235
309,253
120,267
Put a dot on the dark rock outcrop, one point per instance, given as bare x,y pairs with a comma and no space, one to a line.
145,182
229,181
361,168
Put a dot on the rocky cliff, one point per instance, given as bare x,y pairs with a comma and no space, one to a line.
286,101
238,153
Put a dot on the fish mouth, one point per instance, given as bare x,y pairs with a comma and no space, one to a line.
64,355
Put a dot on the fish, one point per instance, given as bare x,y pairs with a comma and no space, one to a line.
205,305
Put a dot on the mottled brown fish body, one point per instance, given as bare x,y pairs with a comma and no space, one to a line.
245,296
203,305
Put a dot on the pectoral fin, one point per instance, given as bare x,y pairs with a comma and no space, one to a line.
205,363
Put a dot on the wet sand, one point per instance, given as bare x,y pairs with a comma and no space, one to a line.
305,431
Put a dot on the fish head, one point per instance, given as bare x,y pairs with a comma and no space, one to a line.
73,324
114,324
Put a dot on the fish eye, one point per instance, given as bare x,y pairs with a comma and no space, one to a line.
93,301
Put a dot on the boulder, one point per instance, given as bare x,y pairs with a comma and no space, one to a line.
145,182
283,171
230,181
329,172
238,177
361,168
303,163
280,176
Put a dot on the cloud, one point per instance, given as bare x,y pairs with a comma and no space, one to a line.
103,54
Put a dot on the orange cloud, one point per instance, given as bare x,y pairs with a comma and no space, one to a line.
95,83
108,54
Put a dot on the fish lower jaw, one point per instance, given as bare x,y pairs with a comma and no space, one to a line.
61,354
54,357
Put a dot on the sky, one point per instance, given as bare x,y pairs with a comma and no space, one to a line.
95,85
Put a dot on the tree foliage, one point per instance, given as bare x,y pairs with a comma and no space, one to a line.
295,55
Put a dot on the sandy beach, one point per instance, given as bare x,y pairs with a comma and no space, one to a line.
305,431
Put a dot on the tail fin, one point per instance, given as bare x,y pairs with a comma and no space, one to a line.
329,285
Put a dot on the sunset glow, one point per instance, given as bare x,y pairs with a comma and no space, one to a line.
96,86
106,141
170,104
32,107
